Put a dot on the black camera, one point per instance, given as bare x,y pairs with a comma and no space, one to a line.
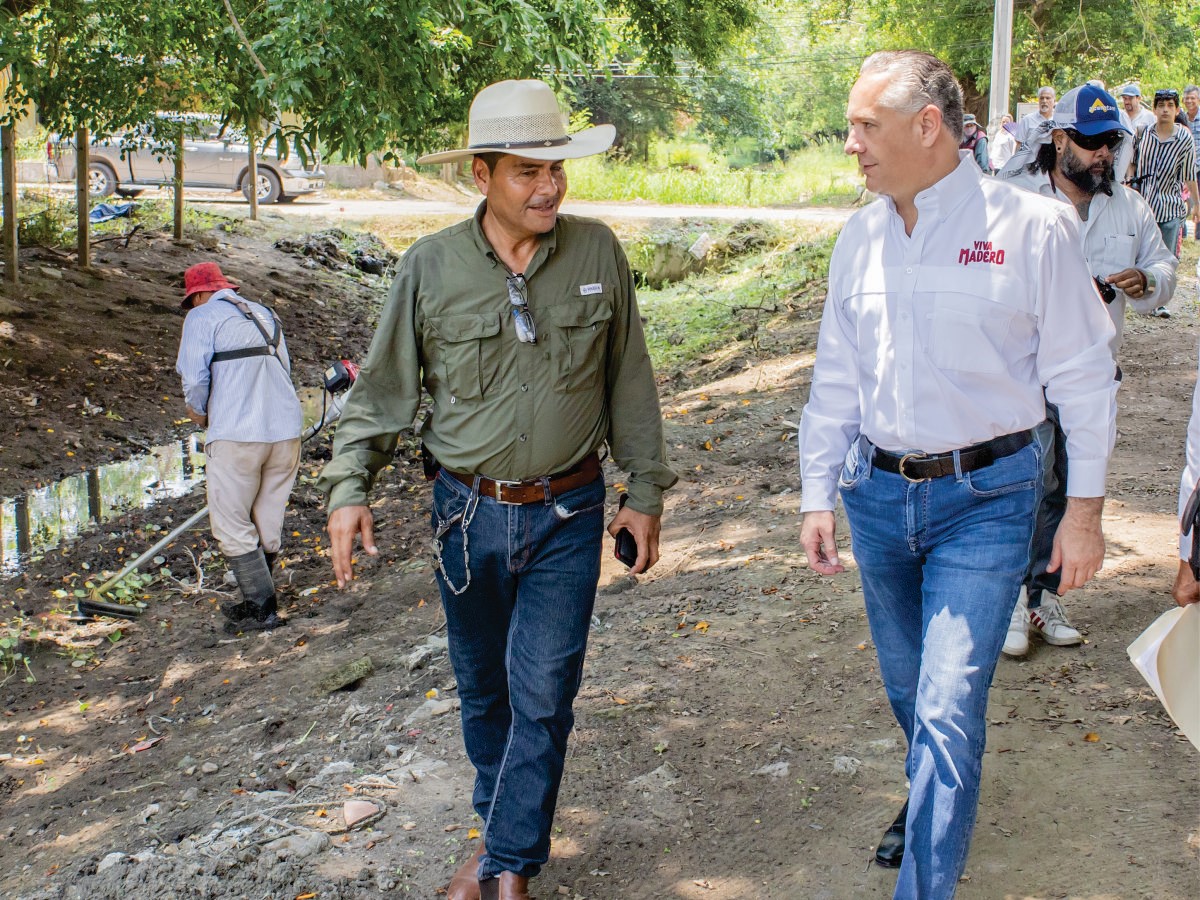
1108,293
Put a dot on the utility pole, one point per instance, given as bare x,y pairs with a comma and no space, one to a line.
1001,63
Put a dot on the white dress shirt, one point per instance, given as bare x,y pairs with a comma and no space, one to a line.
1120,233
942,339
1191,473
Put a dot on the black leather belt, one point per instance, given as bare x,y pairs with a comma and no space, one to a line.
535,489
917,466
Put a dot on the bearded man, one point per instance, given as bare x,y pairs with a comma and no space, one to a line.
1128,260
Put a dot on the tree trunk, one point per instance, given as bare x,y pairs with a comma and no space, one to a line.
8,147
179,141
252,176
82,238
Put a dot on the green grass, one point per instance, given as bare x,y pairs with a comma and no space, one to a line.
721,309
817,175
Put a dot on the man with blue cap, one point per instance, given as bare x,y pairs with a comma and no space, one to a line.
1072,161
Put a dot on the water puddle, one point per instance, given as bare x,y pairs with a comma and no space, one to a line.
48,517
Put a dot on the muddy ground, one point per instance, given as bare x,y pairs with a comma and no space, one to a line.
732,738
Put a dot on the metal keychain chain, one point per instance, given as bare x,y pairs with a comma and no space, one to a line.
467,515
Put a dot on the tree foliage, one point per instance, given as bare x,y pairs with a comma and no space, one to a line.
358,76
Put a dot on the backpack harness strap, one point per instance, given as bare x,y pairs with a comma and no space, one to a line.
270,348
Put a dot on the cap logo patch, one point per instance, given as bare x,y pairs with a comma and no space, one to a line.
1099,105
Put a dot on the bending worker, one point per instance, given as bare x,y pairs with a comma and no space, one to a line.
237,383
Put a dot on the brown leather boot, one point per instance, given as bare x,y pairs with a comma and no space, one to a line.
465,883
509,886
513,886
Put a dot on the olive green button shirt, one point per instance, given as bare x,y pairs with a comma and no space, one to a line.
501,408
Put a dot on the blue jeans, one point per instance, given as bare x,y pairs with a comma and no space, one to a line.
1050,511
1170,234
941,563
518,627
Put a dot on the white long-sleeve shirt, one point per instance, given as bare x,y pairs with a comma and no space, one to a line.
1191,472
942,339
1120,232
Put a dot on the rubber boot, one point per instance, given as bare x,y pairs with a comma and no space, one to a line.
258,595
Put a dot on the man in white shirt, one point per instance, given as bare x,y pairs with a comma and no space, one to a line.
1127,258
1133,117
1029,123
952,300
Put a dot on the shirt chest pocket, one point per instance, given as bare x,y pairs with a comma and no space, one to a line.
1120,252
580,338
464,353
969,334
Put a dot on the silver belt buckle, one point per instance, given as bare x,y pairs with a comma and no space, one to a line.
905,458
499,486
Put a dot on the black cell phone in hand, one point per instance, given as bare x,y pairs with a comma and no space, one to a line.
627,548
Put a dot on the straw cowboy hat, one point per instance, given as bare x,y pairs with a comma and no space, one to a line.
522,118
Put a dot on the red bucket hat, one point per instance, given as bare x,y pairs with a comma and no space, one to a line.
205,276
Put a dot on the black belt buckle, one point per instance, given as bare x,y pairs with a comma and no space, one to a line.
910,457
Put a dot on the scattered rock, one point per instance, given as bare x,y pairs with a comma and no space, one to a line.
419,658
298,846
346,675
209,768
49,272
846,765
774,770
882,746
618,585
431,709
341,767
110,860
149,812
186,763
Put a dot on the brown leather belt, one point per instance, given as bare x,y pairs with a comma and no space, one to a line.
535,490
921,466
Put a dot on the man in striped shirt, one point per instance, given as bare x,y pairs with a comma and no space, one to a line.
237,383
1164,160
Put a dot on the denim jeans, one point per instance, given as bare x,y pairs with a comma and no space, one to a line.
1050,510
518,584
941,563
1170,234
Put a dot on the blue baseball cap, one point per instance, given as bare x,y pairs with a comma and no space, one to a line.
1088,110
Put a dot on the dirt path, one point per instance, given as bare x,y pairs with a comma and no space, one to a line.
732,741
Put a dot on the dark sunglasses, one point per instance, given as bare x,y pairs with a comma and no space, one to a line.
522,318
1169,94
1109,139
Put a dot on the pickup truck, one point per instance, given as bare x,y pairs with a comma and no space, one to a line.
129,162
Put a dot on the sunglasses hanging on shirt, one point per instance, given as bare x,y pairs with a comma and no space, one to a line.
522,318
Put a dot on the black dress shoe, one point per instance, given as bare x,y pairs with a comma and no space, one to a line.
890,852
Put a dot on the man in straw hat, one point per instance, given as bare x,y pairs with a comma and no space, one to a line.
237,382
522,326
